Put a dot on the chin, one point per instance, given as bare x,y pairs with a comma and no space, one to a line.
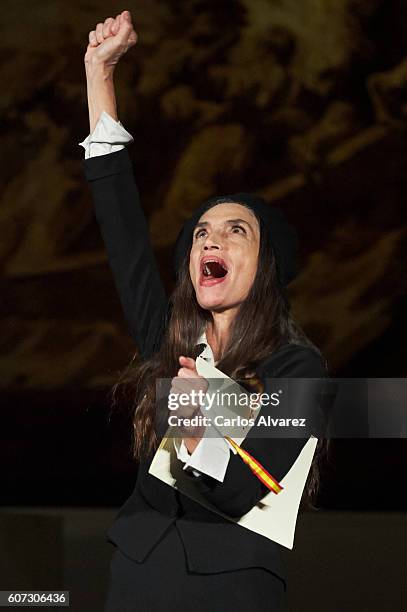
213,303
208,304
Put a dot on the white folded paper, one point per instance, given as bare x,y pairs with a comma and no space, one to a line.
275,516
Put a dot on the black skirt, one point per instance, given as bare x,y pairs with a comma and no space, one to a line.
163,583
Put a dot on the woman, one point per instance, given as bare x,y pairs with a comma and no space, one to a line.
234,258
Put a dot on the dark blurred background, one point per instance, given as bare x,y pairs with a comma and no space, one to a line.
304,103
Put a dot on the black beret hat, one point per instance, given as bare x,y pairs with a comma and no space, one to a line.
283,236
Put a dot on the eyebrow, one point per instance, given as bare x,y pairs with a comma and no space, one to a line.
205,223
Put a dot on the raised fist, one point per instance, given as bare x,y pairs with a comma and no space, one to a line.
110,40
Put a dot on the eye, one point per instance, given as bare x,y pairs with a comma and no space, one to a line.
198,234
239,228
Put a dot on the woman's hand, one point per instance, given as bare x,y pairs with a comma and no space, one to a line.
188,380
107,44
110,41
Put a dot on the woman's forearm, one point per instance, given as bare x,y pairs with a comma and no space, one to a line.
101,92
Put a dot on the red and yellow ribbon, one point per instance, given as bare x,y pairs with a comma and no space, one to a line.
257,469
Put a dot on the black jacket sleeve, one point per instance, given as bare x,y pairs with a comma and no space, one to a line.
126,236
241,489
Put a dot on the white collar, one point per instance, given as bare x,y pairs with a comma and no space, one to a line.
207,353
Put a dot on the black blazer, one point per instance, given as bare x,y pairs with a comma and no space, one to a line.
212,544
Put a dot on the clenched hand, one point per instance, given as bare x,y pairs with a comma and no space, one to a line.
186,381
110,40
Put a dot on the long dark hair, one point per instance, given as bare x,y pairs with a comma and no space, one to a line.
262,325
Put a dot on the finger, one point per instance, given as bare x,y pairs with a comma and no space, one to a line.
187,362
185,396
181,385
132,38
187,373
186,411
125,25
99,33
193,387
126,15
107,26
92,39
115,25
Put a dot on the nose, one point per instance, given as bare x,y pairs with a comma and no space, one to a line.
211,247
213,242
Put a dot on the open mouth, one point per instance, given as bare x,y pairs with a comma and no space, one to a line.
213,271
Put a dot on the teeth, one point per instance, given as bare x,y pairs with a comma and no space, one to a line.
206,269
214,261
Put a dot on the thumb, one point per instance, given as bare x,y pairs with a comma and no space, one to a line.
187,362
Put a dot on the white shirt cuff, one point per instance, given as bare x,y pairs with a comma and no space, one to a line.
108,136
211,456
